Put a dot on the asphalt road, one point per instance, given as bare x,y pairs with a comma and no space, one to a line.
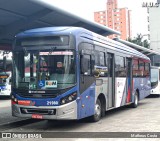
144,118
5,112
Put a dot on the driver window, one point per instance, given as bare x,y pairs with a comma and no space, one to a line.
86,64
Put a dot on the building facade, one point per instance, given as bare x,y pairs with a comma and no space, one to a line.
154,22
154,28
116,18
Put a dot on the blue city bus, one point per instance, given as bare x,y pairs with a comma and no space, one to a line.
5,83
5,73
68,73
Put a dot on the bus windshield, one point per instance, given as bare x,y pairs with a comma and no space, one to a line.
44,69
154,77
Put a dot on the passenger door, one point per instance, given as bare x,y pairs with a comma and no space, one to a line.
129,80
111,81
87,82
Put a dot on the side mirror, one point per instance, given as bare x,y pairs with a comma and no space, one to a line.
96,73
4,62
10,81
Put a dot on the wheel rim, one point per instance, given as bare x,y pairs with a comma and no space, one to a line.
97,110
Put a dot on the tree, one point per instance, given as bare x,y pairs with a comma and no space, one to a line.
138,40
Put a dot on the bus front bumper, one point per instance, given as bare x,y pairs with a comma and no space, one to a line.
155,91
63,112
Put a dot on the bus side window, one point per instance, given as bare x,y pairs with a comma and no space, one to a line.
141,68
86,64
135,68
102,60
120,68
103,65
146,72
97,58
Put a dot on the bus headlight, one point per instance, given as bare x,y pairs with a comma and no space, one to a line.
14,99
68,98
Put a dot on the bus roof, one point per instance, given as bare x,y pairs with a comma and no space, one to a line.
50,30
62,30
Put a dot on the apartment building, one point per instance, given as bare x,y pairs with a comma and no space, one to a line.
154,29
116,18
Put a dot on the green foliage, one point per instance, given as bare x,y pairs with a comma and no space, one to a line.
138,40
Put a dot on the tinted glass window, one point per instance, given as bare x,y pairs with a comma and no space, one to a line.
135,64
102,59
120,67
147,72
141,65
86,64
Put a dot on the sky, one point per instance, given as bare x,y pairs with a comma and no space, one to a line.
86,9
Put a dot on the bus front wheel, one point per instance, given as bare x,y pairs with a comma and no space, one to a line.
98,111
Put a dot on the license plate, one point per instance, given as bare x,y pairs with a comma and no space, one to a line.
36,116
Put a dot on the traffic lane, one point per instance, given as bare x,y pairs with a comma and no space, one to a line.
144,118
4,102
6,115
5,111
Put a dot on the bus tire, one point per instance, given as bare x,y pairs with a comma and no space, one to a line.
98,112
135,103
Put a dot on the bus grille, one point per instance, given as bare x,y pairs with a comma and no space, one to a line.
38,111
24,93
27,95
